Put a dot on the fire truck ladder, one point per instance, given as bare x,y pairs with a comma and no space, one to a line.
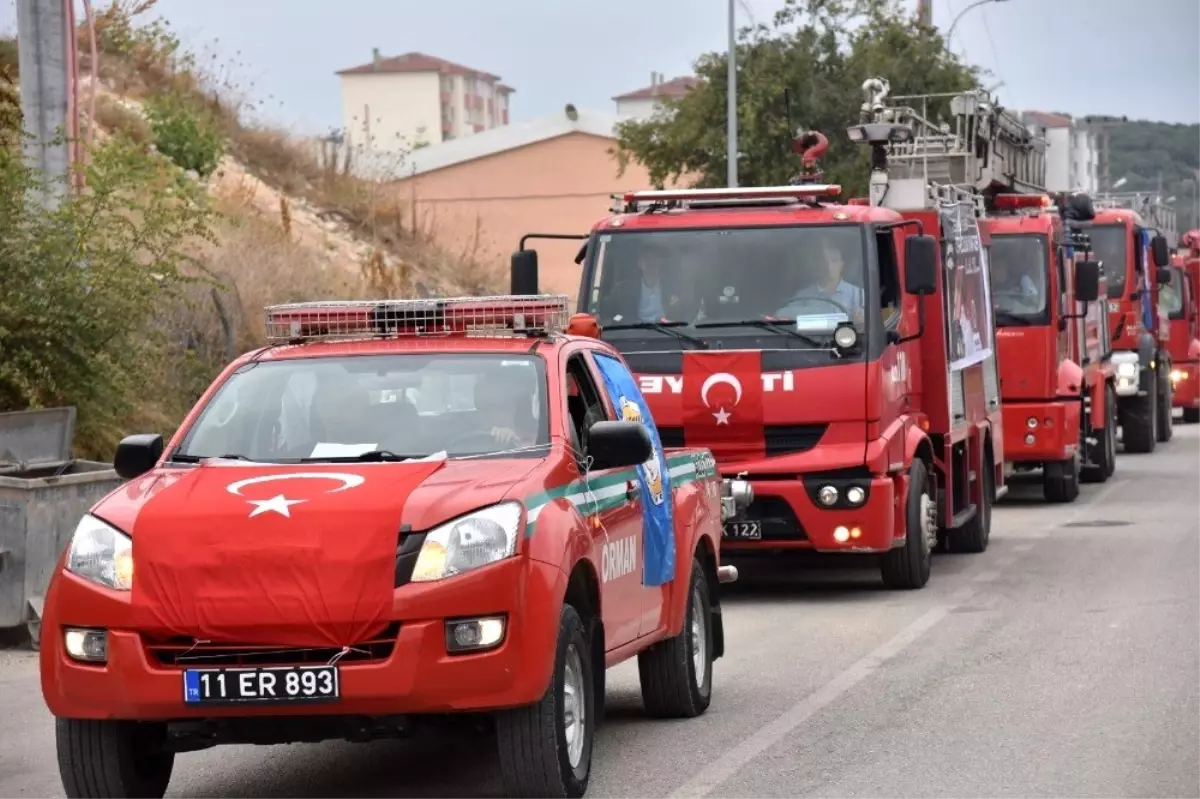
982,149
1150,207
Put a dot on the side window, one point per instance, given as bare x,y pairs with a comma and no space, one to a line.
889,275
584,403
1060,267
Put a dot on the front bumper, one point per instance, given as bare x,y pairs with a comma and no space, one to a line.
1185,385
792,520
1036,432
418,676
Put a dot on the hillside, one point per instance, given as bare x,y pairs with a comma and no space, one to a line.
1142,151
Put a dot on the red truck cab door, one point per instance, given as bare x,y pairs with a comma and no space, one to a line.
607,499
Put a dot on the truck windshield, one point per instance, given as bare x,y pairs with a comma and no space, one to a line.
1109,247
1019,279
375,407
703,280
1170,295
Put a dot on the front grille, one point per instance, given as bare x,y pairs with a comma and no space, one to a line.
779,521
190,653
781,439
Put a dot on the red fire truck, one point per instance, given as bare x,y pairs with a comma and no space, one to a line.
836,355
1055,376
1130,236
1181,301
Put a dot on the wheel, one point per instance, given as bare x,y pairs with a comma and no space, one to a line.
908,567
1165,427
1191,415
973,536
1104,454
546,748
1060,480
112,758
1139,421
676,674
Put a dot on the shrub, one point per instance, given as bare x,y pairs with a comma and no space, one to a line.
185,131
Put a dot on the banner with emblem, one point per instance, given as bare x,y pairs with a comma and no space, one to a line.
723,404
968,289
658,523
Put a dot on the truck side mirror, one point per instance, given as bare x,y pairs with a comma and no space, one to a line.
920,265
1162,253
137,454
617,445
1163,275
524,272
1087,281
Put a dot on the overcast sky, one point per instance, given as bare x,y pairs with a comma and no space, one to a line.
1134,57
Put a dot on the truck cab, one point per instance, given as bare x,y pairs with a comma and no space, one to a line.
1180,300
1055,379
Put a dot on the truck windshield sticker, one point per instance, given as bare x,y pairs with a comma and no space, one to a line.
658,526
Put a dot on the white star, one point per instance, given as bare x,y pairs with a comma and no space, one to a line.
722,416
277,504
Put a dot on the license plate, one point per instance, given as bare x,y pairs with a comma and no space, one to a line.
282,684
751,531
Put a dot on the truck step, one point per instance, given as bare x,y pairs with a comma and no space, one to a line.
963,516
1001,492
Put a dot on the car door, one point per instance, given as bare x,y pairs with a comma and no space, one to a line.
608,501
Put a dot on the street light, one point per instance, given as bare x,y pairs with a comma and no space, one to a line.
731,123
976,4
1119,184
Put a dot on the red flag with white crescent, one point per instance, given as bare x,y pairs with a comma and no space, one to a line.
723,404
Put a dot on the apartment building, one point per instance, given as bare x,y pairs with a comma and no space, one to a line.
1071,152
642,104
400,103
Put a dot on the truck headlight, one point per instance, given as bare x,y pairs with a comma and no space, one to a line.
468,542
102,554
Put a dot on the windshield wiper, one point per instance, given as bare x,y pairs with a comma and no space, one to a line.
186,458
662,327
774,325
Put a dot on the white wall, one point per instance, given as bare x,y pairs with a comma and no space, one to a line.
1058,159
642,108
396,106
1085,166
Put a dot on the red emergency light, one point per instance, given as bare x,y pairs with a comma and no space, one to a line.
500,316
1013,202
801,192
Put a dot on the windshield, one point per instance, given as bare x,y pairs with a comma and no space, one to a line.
1019,279
703,278
1108,243
1170,295
412,405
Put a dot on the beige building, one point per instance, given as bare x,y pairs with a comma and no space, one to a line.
556,174
398,103
642,104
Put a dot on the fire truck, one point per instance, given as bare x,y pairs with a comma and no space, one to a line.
1181,301
836,355
1131,237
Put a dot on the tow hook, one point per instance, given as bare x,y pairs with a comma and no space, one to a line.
736,494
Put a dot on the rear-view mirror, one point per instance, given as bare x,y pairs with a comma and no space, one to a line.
617,445
1087,281
1160,250
524,272
137,454
920,265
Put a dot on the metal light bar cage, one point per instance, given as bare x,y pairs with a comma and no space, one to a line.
631,202
502,316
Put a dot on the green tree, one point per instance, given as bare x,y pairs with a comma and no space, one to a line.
820,50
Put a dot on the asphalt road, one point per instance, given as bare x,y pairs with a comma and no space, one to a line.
1065,661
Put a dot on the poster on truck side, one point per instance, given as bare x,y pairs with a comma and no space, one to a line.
968,290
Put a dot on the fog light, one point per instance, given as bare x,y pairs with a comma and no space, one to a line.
473,635
855,533
1031,422
828,495
90,646
841,535
1030,439
855,495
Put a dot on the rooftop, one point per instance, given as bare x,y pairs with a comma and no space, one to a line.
416,62
672,89
1045,120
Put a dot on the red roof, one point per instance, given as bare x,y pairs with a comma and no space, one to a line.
504,88
673,89
416,62
1044,120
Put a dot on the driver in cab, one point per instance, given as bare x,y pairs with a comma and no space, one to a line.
504,409
1014,283
822,281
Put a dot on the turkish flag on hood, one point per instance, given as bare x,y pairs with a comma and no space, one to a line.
723,404
277,555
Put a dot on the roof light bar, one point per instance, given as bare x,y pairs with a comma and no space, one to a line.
504,316
1012,202
753,193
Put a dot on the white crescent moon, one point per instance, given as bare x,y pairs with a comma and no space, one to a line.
347,480
717,379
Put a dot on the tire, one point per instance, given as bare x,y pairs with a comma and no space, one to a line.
1060,480
536,758
112,758
973,537
676,674
1191,415
1104,456
908,567
1139,421
1165,426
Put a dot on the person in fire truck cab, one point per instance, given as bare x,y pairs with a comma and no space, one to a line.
823,280
647,294
503,408
1014,283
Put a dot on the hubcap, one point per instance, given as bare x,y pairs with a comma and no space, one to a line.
574,706
699,639
929,521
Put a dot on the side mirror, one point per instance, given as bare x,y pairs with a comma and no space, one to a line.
1087,281
524,272
616,445
920,265
137,454
1163,275
1160,251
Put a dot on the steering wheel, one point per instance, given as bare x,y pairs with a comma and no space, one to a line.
475,436
803,299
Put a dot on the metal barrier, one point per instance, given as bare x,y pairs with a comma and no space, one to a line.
43,494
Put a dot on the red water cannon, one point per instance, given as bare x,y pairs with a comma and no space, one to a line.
810,146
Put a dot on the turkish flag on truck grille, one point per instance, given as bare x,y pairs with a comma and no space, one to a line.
723,404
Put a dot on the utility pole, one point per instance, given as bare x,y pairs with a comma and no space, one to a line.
44,43
925,12
731,121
